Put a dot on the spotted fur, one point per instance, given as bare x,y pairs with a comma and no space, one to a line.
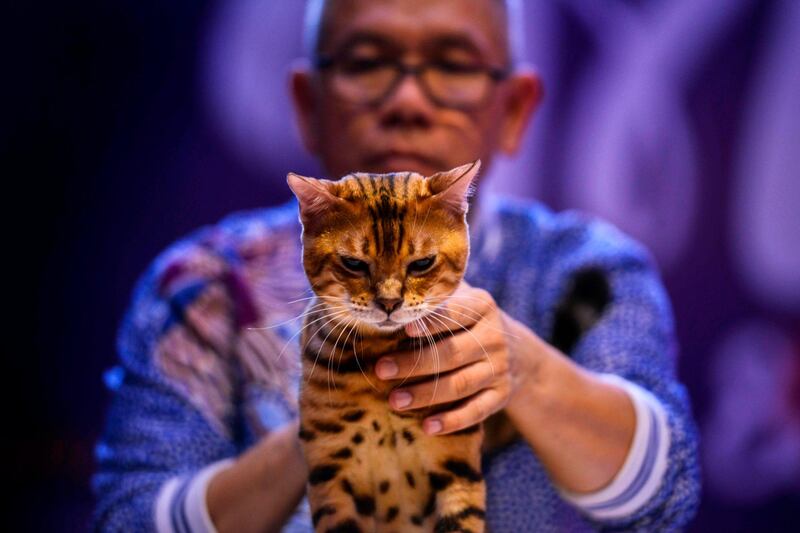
373,469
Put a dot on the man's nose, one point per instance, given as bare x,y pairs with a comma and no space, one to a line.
408,104
389,304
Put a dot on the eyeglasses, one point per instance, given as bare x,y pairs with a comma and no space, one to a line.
447,84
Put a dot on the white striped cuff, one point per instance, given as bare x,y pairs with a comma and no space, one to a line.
180,506
643,470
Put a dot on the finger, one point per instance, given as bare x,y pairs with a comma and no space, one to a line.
456,385
473,411
448,354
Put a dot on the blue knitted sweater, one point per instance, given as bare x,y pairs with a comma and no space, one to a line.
200,378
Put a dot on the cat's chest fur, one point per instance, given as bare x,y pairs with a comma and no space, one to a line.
372,468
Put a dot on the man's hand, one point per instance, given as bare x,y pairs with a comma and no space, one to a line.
501,364
477,364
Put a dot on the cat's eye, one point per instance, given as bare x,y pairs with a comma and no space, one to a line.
421,265
355,265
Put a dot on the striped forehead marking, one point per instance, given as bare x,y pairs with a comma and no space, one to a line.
386,198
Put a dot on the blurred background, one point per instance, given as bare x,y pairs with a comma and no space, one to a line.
129,123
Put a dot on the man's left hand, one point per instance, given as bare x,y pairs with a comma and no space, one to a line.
478,364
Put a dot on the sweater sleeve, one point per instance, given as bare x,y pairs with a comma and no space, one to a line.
171,419
633,339
642,472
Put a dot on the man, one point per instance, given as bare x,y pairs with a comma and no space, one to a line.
202,433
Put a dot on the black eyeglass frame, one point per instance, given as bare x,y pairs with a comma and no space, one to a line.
496,75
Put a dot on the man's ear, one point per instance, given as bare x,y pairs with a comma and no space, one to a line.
525,92
304,100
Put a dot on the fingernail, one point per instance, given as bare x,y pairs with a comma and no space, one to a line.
401,399
432,426
386,368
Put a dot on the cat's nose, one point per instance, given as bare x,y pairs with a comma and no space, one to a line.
388,304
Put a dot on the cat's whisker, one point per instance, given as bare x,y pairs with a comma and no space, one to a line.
446,299
329,366
438,300
304,347
499,330
465,297
448,303
307,291
437,364
317,287
491,364
437,372
304,314
314,365
419,355
444,302
323,317
350,328
365,374
331,316
313,296
333,355
352,325
361,339
329,378
472,315
432,343
310,337
442,313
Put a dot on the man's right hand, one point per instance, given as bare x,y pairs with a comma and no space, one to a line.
263,487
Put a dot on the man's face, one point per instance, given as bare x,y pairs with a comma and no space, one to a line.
407,130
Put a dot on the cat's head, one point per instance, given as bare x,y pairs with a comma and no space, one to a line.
383,250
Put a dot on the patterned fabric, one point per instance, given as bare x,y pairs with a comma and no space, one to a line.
209,359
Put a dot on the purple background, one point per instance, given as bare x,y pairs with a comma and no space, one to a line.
130,123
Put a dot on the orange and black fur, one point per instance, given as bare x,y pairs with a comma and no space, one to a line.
381,251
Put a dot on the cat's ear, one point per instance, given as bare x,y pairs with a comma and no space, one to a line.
315,196
453,187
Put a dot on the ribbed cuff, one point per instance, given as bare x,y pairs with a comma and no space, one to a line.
181,502
644,467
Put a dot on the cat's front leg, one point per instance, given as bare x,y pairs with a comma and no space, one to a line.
456,483
333,505
460,500
339,493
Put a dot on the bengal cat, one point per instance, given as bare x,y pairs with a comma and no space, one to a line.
381,251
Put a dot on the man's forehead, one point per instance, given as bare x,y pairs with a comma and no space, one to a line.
415,22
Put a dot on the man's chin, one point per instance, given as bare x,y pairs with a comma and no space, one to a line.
388,163
406,164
